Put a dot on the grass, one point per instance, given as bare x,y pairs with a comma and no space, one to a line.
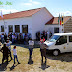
54,64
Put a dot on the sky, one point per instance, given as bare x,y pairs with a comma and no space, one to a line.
55,7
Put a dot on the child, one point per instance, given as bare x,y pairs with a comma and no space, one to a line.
15,55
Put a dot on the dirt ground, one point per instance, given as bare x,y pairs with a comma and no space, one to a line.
61,63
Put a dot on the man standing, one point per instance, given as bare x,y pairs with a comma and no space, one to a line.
31,44
43,50
5,51
9,47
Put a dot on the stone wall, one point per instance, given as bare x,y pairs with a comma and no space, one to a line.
68,26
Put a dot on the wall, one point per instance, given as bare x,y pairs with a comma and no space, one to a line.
68,26
50,28
18,21
39,20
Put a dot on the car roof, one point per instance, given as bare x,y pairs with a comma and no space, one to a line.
61,34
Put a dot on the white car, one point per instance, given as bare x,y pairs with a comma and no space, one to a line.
60,43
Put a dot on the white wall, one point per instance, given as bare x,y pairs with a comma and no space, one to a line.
51,28
38,21
35,23
18,21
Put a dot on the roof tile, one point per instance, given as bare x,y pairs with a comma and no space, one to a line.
21,14
54,20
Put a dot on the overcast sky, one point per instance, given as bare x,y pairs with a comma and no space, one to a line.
54,6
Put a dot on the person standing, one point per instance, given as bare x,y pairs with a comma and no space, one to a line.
31,44
9,47
15,54
19,38
43,50
10,36
5,51
5,37
47,35
50,34
2,38
13,38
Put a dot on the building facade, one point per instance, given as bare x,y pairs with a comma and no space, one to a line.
32,21
53,26
29,21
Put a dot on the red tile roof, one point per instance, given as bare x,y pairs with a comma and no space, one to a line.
21,14
54,20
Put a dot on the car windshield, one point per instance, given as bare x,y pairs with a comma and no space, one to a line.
54,38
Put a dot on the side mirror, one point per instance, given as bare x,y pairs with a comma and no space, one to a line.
58,41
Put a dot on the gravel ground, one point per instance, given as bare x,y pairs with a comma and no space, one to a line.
61,63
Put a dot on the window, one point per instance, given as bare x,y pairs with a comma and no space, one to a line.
56,30
10,28
17,28
2,28
70,38
24,28
62,40
54,38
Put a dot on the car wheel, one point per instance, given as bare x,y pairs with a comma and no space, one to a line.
56,52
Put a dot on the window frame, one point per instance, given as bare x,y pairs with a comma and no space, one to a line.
17,29
1,28
12,28
55,28
58,42
24,29
69,38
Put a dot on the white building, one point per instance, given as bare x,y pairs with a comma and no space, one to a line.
32,21
53,26
29,21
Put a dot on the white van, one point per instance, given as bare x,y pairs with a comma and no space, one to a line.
60,43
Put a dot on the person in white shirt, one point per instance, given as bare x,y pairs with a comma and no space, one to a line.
13,38
15,54
9,47
31,44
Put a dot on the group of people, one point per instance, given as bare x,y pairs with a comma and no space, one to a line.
44,34
15,37
42,49
12,38
6,50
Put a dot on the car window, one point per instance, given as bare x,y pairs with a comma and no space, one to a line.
70,38
54,38
62,40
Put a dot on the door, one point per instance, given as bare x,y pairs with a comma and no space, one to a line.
61,44
69,43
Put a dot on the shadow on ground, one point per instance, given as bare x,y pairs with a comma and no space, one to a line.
44,66
63,57
3,66
12,67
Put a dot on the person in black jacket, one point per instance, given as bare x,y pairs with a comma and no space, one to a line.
5,37
5,52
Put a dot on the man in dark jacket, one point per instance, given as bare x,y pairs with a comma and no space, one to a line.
5,37
5,51
43,50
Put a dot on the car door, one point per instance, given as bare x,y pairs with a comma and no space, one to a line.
61,44
69,44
